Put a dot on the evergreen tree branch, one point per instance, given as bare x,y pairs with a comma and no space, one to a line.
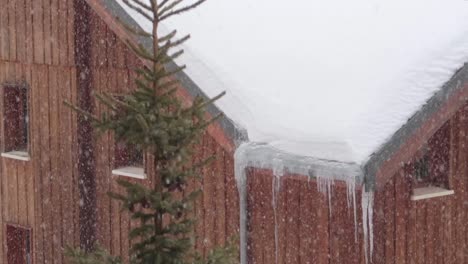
171,5
167,37
153,119
181,10
143,5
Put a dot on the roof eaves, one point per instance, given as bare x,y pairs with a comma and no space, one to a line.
233,131
402,135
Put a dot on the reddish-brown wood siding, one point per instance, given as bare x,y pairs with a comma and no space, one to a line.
217,211
433,230
406,152
405,231
38,193
308,229
37,31
37,46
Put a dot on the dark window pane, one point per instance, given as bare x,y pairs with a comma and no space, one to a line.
18,245
15,118
432,166
127,155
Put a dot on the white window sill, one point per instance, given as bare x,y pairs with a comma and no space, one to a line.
17,155
130,171
430,192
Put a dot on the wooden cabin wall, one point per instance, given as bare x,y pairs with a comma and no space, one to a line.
40,193
37,31
37,47
432,230
216,211
310,227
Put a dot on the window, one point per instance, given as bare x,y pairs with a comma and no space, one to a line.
430,169
128,160
18,245
422,174
15,121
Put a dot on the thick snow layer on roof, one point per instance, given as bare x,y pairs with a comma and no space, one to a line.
328,79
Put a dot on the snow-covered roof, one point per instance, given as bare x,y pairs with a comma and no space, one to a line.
329,79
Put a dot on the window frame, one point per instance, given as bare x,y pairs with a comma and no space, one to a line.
429,160
16,152
136,171
28,246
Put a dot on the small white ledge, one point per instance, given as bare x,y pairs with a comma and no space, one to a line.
430,192
17,155
130,171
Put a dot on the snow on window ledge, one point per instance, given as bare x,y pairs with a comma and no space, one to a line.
430,192
130,171
17,155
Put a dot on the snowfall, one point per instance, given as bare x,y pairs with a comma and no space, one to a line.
313,81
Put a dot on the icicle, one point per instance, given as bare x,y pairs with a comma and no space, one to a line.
351,192
367,223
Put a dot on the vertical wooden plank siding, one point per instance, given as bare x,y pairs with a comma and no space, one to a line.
12,34
54,31
39,31
268,216
405,231
220,197
36,87
292,220
116,85
4,37
305,231
29,45
37,46
309,247
48,39
209,190
20,30
402,187
232,197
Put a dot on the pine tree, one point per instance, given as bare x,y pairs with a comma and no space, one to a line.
153,120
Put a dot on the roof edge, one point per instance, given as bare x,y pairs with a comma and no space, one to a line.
116,12
436,110
264,156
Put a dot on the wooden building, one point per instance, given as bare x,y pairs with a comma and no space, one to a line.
416,198
55,173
